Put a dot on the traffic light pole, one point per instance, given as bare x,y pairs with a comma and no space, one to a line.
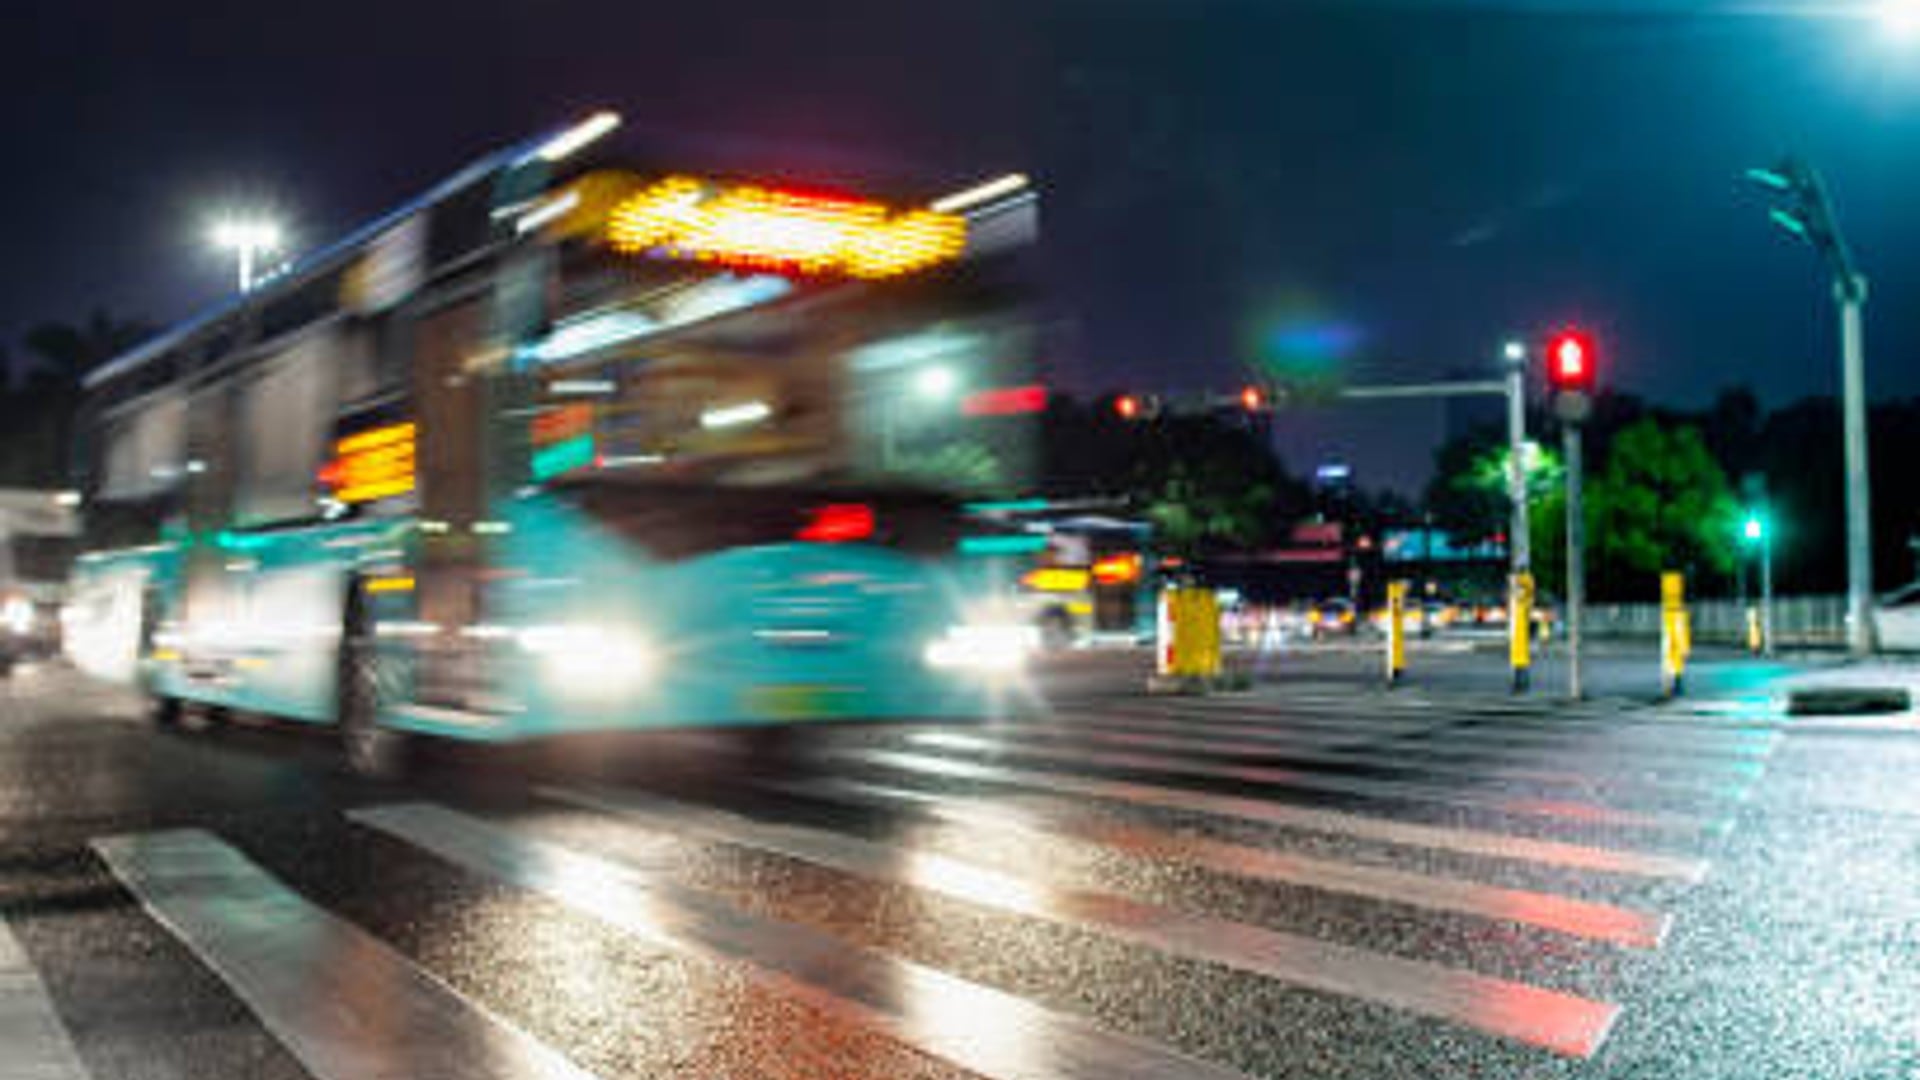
1576,558
1809,216
1851,293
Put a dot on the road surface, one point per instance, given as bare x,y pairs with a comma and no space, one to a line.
1317,878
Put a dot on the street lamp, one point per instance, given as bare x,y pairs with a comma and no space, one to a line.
1804,211
248,240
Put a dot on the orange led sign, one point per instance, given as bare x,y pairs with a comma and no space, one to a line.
373,464
747,227
1117,569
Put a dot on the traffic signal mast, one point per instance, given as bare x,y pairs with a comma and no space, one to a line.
1805,212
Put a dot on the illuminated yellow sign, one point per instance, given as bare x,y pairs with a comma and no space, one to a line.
1058,579
747,227
373,464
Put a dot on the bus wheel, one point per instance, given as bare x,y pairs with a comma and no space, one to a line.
1056,630
372,750
164,712
774,748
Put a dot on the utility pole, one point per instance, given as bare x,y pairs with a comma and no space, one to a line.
1808,215
1519,533
1851,294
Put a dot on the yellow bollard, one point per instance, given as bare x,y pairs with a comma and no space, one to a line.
1189,653
1676,638
1396,631
1754,644
1520,629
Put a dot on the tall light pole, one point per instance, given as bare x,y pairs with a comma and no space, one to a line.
1519,540
1808,215
249,240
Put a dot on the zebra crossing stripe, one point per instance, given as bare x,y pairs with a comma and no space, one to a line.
975,1027
1360,708
1564,1023
1490,764
343,1003
1414,735
1463,841
1299,780
1547,911
35,1044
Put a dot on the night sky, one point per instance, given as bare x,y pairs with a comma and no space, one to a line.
1382,189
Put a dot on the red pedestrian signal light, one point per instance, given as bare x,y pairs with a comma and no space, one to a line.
1571,361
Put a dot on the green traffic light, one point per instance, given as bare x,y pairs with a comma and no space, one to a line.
1754,528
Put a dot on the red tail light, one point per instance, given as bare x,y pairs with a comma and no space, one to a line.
837,523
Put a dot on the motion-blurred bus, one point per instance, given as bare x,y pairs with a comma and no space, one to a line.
565,446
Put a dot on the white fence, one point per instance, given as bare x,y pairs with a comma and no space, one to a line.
1797,620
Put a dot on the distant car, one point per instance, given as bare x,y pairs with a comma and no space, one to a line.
1898,617
1330,617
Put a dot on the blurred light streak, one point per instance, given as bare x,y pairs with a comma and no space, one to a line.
980,193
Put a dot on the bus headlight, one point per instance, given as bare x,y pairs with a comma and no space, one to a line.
587,660
982,647
16,615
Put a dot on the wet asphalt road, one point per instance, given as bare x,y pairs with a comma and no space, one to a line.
1316,879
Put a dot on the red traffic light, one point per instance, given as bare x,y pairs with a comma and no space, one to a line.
1252,398
1127,407
1571,361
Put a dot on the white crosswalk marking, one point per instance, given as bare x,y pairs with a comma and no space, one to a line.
33,1043
1301,780
345,1005
1440,838
1580,918
1561,1022
973,1026
1490,764
1361,708
1420,728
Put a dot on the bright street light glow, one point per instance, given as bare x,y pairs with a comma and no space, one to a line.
980,193
935,382
1513,350
248,239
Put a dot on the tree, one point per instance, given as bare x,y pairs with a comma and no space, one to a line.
1205,481
36,418
1661,502
1468,494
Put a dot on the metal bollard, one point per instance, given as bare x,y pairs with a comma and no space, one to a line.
1520,630
1396,631
1676,637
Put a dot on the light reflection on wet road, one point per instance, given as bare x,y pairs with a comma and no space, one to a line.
1294,883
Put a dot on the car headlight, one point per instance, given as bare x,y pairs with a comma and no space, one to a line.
983,647
591,661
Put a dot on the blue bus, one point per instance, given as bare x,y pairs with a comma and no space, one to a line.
568,445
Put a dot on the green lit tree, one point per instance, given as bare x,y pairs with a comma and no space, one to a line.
1661,502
